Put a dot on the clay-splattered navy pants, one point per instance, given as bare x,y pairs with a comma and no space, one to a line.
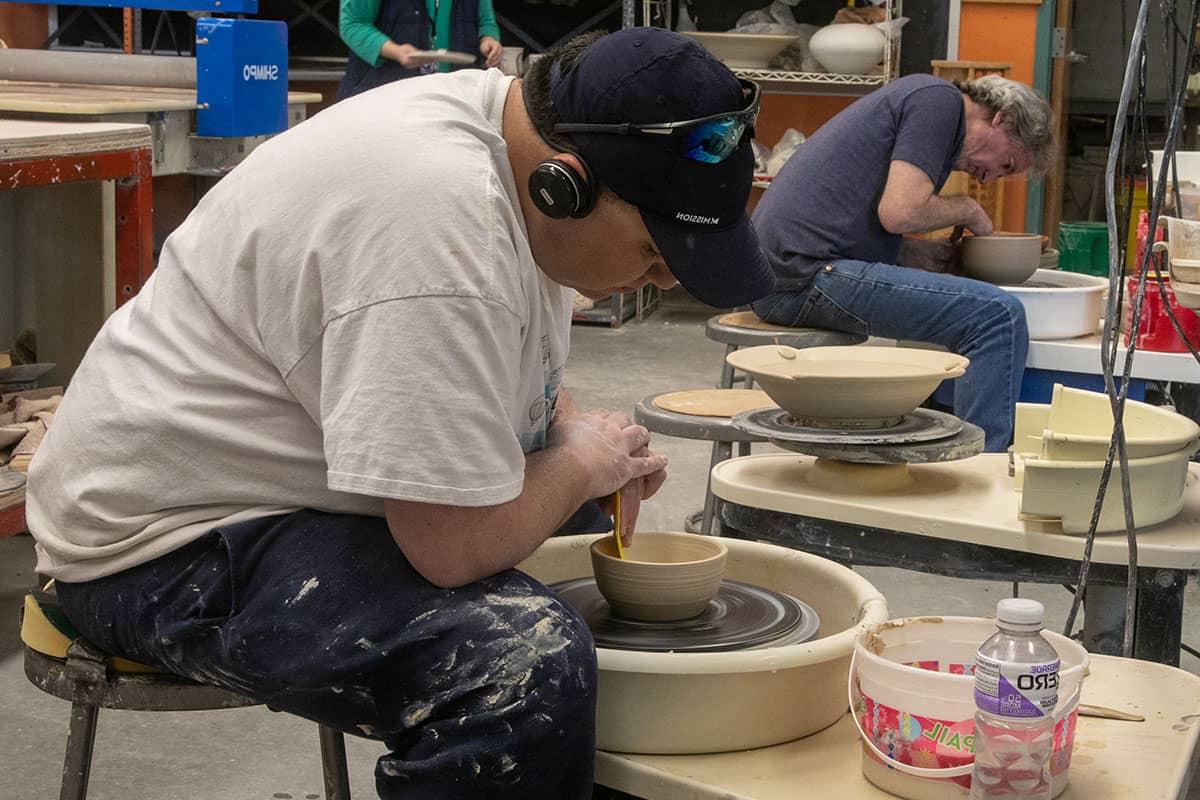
485,691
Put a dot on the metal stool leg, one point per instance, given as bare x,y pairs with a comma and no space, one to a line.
726,369
77,765
333,763
721,452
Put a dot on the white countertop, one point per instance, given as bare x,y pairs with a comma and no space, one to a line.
1148,760
972,501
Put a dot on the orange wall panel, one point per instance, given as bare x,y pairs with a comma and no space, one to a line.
23,25
1002,32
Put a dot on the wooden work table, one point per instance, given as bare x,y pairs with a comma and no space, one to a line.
1113,760
960,519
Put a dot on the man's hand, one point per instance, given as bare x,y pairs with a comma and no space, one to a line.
909,205
930,255
402,53
632,495
491,51
608,446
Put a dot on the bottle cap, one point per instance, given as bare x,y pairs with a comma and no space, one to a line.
1020,611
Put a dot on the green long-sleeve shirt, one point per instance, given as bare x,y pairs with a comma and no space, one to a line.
357,26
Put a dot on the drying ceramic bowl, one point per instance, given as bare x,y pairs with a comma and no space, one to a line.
663,576
1049,259
1066,490
1061,305
1001,259
848,48
739,699
847,383
743,50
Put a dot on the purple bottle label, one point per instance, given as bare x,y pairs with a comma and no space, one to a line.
1011,689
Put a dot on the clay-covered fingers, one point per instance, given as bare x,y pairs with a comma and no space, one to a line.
636,438
631,505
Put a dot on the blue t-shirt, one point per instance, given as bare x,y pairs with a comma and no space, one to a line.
824,204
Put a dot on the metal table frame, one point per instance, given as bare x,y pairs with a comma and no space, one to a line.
130,172
1159,619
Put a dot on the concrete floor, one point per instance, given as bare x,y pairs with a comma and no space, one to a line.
253,754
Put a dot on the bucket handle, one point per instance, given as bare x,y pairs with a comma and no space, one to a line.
920,772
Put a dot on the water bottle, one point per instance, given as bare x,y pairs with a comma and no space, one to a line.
1016,690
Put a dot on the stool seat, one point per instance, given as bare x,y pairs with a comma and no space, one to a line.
746,329
62,663
716,428
692,426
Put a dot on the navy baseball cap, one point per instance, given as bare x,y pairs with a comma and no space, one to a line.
695,211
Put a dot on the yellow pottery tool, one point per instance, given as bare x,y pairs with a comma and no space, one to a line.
617,523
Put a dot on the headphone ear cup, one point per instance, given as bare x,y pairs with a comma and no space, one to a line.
558,191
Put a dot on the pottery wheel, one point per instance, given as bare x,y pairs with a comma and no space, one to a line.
740,617
921,425
964,444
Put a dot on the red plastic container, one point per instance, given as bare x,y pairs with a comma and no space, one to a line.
1155,331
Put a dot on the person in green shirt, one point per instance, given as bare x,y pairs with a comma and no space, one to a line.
384,35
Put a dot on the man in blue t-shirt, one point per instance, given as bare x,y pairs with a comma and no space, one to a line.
833,228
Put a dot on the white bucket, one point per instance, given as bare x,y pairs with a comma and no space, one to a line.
912,698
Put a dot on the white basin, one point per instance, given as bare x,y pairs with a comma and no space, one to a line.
1061,305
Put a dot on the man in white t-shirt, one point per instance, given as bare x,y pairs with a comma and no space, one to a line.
304,461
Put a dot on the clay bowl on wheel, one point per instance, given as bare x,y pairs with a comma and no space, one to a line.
664,576
865,383
1006,258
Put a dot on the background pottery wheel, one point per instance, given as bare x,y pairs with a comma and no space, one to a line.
964,444
921,425
740,617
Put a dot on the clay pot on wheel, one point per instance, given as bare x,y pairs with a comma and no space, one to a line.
664,576
848,48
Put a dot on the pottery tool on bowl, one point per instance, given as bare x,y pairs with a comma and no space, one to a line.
617,523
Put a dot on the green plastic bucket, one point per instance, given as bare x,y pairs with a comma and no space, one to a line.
1083,247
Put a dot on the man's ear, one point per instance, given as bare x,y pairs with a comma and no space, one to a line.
998,119
571,160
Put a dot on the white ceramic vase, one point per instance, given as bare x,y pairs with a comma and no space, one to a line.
848,48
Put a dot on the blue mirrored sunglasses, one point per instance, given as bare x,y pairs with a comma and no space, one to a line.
708,140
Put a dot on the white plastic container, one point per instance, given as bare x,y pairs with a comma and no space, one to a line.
1061,305
918,671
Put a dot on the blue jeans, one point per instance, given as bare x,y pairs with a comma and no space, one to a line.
484,691
974,319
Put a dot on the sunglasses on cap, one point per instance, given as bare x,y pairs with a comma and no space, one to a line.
709,140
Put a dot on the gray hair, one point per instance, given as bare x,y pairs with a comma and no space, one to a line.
1025,115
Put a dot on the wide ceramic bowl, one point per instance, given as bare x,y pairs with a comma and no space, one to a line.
1060,304
848,48
737,699
847,383
1002,258
663,576
743,50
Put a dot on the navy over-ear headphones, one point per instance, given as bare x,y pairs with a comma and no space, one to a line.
559,191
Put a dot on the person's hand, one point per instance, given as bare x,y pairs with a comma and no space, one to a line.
401,53
979,223
491,51
632,495
612,450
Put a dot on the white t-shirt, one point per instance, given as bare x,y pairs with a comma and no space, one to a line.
352,314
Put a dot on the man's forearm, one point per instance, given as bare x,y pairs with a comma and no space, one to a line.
938,212
452,546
